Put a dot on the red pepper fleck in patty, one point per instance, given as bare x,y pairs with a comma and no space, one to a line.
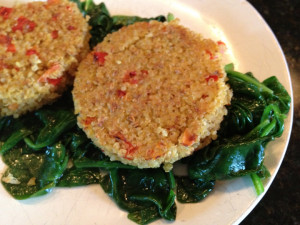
71,28
188,138
144,72
213,77
134,77
130,148
53,1
2,65
210,54
54,81
45,78
5,12
31,52
24,25
100,57
55,16
69,8
220,43
11,48
54,34
130,77
6,40
132,74
121,93
222,46
89,120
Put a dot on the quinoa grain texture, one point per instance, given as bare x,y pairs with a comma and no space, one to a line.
151,94
41,45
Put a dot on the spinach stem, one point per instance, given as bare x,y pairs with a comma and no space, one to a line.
170,17
258,128
244,77
268,128
88,4
30,143
172,181
14,139
85,163
259,187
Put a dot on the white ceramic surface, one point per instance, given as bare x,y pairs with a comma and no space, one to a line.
252,47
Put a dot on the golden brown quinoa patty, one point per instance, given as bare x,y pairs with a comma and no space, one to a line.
41,44
151,93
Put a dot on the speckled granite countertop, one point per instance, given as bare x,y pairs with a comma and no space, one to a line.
281,204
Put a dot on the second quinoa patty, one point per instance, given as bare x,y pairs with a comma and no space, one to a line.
151,93
41,44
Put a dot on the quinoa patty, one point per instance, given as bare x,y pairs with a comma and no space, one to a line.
151,93
41,44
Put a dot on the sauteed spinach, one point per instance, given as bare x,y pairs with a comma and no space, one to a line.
46,149
102,22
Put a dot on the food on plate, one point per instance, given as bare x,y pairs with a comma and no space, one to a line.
41,44
45,149
151,93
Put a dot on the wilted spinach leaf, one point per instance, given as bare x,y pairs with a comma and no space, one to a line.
33,174
227,160
140,191
78,177
102,23
255,117
192,190
56,123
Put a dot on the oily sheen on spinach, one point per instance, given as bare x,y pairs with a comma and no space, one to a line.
255,117
71,159
46,149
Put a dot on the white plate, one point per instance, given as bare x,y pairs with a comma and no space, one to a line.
252,47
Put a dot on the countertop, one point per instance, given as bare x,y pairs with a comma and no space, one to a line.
281,204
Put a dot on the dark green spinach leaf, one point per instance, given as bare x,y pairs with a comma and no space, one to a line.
78,177
102,23
255,117
33,174
192,190
56,123
138,191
